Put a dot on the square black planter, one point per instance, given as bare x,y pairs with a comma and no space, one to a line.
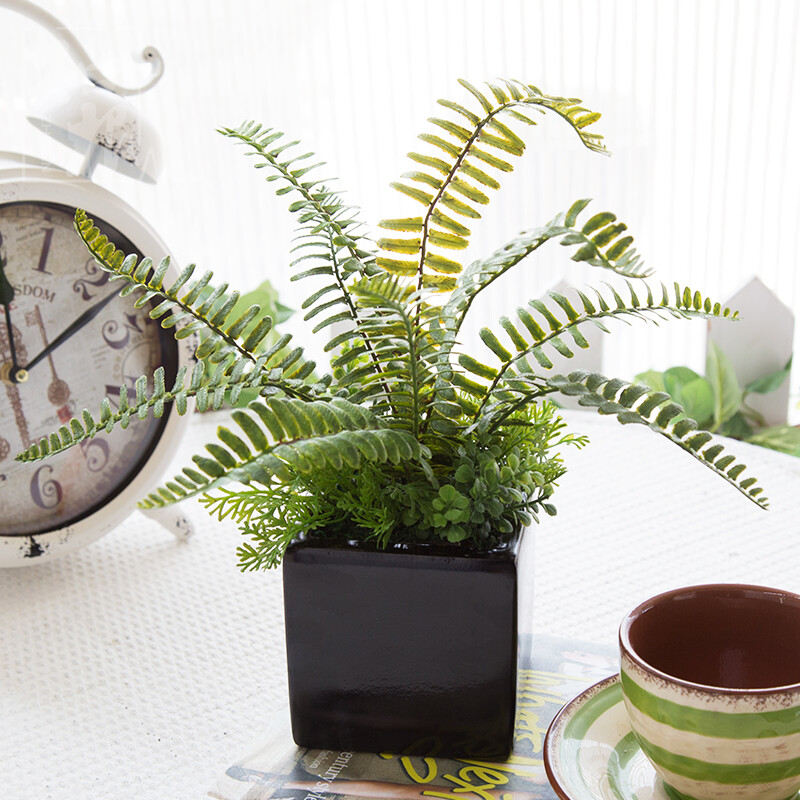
405,650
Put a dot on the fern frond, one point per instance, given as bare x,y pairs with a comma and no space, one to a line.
190,307
455,181
280,437
331,244
149,396
319,208
144,402
601,243
618,257
635,403
330,230
557,325
597,247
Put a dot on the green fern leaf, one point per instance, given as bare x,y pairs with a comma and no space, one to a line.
459,207
629,406
415,194
437,141
491,159
450,224
468,191
449,241
476,134
476,367
441,264
472,118
493,343
457,131
407,224
439,283
478,175
485,103
407,246
431,161
397,266
501,143
423,177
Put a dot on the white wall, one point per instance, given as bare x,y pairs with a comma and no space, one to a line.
699,98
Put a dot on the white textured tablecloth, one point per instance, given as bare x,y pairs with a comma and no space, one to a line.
140,667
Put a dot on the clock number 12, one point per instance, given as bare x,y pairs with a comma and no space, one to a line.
48,238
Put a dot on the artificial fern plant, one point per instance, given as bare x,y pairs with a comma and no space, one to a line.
408,437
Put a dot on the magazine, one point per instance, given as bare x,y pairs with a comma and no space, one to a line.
552,671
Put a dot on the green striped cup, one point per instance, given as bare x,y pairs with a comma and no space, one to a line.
711,681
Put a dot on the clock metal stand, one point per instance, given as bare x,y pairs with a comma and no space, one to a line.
66,337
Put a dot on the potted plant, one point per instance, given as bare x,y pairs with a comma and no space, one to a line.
397,484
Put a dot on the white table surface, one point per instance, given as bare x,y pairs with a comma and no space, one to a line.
139,668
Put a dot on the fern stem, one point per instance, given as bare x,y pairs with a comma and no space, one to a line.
415,384
446,183
525,399
354,315
461,316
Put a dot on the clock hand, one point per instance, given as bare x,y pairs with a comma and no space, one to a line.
15,374
58,392
70,330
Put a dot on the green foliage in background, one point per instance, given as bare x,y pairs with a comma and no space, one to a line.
265,296
409,437
719,404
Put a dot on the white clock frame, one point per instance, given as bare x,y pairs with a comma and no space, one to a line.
25,179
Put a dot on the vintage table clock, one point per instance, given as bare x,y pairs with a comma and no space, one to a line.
66,337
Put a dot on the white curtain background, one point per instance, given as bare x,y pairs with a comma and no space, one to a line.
699,100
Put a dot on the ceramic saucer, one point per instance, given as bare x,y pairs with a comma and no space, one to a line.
590,752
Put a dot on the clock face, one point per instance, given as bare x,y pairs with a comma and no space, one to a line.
53,283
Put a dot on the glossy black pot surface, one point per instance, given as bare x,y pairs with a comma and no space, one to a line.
406,650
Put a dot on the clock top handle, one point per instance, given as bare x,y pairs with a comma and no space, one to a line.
79,54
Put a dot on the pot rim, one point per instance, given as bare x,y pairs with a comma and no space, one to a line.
444,549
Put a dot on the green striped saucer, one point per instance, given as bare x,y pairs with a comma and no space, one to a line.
590,752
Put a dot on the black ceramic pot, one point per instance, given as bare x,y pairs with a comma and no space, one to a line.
412,649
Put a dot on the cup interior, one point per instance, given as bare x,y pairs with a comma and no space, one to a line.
725,636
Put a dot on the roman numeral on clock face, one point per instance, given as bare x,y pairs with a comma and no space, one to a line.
45,251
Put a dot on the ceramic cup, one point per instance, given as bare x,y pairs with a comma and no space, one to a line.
711,681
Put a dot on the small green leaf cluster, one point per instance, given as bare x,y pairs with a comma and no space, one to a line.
492,488
718,402
408,437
